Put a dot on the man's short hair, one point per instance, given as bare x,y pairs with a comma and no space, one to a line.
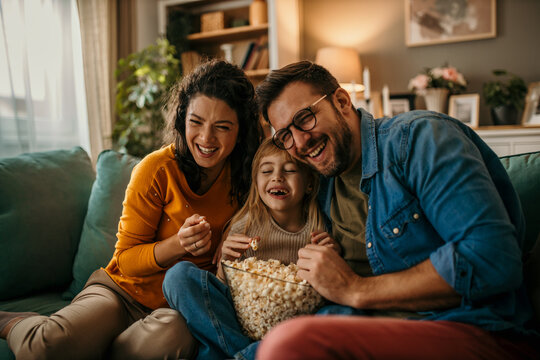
303,71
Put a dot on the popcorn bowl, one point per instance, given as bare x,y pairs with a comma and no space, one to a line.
266,293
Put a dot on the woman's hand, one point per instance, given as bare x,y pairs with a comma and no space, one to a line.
234,246
194,235
324,239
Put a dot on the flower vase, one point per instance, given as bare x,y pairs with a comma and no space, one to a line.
436,99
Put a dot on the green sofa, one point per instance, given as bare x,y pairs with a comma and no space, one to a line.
59,217
58,223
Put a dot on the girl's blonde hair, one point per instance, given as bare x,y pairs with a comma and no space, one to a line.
257,212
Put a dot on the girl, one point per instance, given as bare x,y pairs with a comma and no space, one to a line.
281,210
213,133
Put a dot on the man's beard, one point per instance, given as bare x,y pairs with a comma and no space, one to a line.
341,138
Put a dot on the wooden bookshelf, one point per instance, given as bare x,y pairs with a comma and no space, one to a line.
229,34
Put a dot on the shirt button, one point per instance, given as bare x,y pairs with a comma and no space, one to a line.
168,219
416,216
187,205
369,245
369,207
395,230
155,194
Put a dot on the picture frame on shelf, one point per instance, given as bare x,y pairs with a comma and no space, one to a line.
400,103
531,114
429,22
465,108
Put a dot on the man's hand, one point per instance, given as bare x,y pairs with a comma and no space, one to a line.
324,239
327,272
418,288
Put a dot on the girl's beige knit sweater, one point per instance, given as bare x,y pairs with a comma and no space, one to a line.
277,244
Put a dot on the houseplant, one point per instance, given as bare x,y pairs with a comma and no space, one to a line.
145,76
505,97
435,84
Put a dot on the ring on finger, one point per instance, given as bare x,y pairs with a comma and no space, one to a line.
195,244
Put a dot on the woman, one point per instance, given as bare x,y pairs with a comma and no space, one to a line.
176,205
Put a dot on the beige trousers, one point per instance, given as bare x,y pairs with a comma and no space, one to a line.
103,322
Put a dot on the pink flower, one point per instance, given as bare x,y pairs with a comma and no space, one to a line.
419,82
450,73
446,77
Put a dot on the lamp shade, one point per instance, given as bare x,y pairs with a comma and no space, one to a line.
344,64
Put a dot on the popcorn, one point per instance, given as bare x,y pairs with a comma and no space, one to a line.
266,293
254,243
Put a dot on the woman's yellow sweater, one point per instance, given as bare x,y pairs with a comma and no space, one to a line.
157,202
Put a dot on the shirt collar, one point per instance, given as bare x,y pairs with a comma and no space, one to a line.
369,144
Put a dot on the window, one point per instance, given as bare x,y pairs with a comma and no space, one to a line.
42,97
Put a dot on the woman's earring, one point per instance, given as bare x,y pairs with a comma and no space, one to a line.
308,189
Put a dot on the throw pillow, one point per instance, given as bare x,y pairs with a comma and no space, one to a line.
524,172
101,223
44,197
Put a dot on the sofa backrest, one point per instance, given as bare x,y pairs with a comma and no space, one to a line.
101,222
43,201
524,172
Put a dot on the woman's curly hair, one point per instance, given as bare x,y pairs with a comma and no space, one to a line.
227,82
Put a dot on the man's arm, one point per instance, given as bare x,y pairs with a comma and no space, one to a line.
415,289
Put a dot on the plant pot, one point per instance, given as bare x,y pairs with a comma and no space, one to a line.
436,99
504,115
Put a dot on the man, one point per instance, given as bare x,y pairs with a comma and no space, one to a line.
429,222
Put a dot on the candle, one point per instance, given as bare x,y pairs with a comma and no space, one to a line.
366,83
386,100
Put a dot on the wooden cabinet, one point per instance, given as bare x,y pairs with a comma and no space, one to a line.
282,32
510,140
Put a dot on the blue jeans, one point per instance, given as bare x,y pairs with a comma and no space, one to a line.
206,304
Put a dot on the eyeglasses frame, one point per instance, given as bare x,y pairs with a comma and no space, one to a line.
286,129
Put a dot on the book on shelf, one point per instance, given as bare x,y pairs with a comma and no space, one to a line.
249,52
263,60
189,60
253,56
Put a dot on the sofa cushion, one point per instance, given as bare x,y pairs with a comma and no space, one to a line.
101,223
524,172
44,197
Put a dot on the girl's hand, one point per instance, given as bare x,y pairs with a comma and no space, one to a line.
194,235
234,246
324,239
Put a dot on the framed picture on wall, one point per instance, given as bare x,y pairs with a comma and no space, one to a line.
400,103
429,22
531,114
465,108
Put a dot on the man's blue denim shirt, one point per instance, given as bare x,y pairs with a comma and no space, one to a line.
437,191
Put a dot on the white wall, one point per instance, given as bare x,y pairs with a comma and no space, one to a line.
147,23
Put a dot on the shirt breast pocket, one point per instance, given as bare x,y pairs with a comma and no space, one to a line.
409,234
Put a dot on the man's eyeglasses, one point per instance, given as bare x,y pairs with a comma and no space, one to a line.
303,120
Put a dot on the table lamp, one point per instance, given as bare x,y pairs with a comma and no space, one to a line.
344,64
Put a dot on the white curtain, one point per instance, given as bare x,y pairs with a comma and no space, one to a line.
99,31
42,95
